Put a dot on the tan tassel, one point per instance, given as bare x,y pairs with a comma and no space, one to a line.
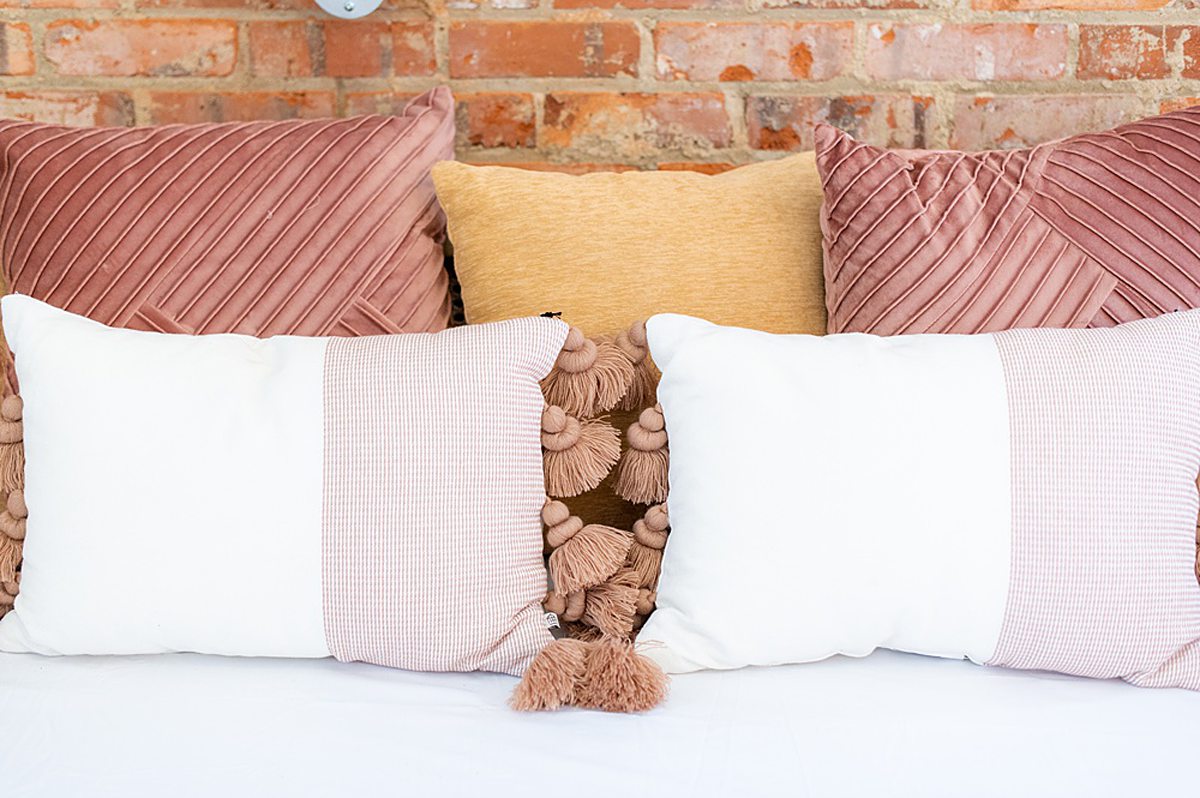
569,609
12,533
610,606
618,679
582,555
589,377
608,675
642,472
551,679
10,558
577,630
11,429
649,539
577,455
645,376
12,466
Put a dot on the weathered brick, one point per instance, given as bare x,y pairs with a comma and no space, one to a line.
681,5
786,122
973,52
496,120
150,47
543,49
16,49
693,166
573,168
631,126
257,5
1010,121
740,51
505,4
68,107
1187,39
377,102
1122,52
356,49
1069,5
413,50
60,3
285,49
168,107
1177,103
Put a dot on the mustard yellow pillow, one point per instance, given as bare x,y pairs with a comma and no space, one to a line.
741,248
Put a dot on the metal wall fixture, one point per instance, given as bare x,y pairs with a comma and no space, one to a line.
349,9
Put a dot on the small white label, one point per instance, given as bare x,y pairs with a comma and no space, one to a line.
551,621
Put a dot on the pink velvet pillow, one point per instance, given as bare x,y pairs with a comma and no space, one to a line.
1088,231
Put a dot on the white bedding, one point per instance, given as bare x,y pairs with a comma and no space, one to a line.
888,725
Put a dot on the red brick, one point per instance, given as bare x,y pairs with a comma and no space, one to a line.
871,4
377,102
68,107
168,107
786,123
602,126
738,51
1122,52
16,49
284,49
971,52
1069,5
691,166
153,47
356,49
1010,121
413,49
496,120
682,5
257,5
576,168
1177,103
60,3
1186,38
543,49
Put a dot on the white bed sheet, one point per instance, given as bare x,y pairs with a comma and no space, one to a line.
887,725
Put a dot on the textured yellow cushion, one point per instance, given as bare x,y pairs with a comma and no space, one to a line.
741,248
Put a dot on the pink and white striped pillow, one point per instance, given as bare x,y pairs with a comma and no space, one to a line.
376,499
1024,499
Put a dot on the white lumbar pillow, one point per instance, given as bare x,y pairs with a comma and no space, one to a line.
980,497
373,499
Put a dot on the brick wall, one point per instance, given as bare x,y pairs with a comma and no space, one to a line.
649,83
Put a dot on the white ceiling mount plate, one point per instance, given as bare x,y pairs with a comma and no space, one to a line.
349,9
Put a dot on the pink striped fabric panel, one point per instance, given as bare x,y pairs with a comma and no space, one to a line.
1105,432
1089,231
432,538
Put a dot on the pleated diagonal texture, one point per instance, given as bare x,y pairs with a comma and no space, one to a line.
1089,231
301,227
326,227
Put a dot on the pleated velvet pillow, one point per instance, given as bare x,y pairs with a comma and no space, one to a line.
304,227
1088,231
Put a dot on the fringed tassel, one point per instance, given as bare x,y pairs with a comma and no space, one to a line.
611,606
589,377
608,675
642,472
645,376
8,594
12,448
577,455
649,540
581,556
550,680
12,533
